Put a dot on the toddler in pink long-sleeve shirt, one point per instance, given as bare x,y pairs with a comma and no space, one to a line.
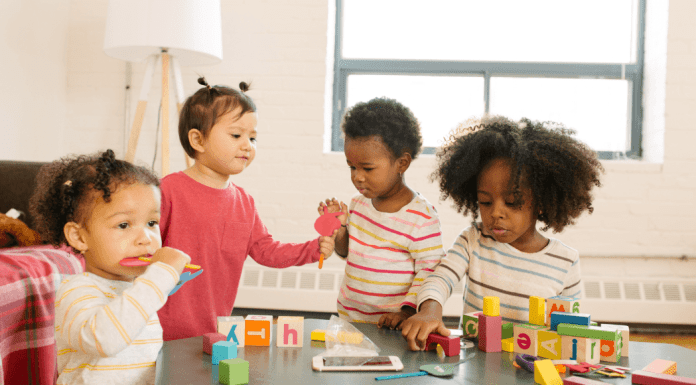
213,220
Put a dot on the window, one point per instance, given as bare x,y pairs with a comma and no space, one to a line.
575,62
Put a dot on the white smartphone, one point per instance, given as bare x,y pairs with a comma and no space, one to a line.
357,364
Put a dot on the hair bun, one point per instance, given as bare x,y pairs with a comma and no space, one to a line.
203,82
244,86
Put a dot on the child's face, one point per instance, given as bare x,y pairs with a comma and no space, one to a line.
501,219
231,144
126,227
373,170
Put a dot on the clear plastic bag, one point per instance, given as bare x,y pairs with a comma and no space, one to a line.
344,340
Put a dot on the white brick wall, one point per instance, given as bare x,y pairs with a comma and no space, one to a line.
645,208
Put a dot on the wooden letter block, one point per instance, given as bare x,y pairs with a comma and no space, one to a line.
508,330
449,344
596,332
209,339
233,372
661,366
225,324
569,318
470,324
224,350
641,377
258,330
625,334
290,331
549,345
508,344
580,349
490,333
318,335
560,303
537,313
545,373
491,306
525,338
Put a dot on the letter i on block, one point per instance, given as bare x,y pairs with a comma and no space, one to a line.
258,330
290,331
225,324
490,326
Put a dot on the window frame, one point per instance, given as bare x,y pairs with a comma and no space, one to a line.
631,72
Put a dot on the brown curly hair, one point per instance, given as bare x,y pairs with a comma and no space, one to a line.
65,187
559,169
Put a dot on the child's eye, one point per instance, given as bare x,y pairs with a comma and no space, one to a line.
351,167
153,223
368,169
236,136
484,203
123,225
253,139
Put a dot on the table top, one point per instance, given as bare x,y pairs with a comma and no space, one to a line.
183,362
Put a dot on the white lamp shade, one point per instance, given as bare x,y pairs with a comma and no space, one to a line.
191,30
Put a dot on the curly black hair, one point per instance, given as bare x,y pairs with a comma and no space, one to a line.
393,122
560,170
66,186
202,109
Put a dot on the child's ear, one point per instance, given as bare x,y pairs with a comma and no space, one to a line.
404,162
74,234
196,140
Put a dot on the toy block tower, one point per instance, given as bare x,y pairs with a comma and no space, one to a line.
224,350
290,331
537,310
258,330
490,325
234,372
470,324
225,324
560,303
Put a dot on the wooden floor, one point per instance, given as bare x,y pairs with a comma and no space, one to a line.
687,340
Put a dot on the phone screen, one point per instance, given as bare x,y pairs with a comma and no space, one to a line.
357,361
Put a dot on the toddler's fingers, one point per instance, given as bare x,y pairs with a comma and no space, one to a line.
442,330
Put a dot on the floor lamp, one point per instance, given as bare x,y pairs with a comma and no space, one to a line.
170,33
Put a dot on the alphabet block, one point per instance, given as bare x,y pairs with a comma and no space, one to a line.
470,324
559,317
625,333
580,349
491,306
225,324
641,377
507,344
258,330
609,351
290,331
561,303
537,307
549,345
449,344
526,338
661,366
209,339
224,350
596,332
318,335
490,333
545,373
233,371
508,330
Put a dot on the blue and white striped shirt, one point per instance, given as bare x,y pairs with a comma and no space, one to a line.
498,269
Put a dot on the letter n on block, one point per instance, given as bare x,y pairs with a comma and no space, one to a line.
526,338
290,331
258,330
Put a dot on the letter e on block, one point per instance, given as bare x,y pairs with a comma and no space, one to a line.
290,331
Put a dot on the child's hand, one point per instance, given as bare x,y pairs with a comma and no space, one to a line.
172,257
394,320
334,206
428,320
327,244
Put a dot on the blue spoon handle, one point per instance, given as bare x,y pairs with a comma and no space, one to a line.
414,374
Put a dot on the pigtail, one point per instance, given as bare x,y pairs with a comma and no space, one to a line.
211,90
105,166
244,86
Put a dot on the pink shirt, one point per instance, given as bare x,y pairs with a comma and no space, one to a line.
217,228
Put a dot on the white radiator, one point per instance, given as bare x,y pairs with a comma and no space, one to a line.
606,299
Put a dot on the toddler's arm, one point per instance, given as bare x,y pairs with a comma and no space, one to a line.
99,323
428,320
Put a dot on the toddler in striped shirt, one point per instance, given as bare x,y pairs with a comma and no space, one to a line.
513,175
106,325
390,237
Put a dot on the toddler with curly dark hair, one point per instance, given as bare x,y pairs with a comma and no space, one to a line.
391,236
512,174
106,321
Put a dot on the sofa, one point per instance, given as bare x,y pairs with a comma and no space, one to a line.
29,277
